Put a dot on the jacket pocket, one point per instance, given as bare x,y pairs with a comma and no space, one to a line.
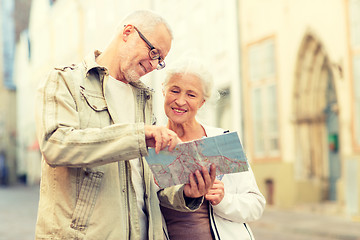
95,101
94,110
86,200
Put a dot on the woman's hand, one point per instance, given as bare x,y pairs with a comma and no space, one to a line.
204,182
216,193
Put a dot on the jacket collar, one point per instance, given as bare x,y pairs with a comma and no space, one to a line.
90,64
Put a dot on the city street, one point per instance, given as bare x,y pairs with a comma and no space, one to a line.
304,225
18,208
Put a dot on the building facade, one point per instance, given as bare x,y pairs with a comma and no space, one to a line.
7,95
63,31
301,98
286,71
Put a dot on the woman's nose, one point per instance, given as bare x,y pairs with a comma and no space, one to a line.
180,100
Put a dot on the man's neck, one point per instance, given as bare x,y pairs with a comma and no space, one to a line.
105,59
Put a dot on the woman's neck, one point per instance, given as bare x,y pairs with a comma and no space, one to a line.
187,131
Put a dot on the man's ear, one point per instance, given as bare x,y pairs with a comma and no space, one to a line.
128,29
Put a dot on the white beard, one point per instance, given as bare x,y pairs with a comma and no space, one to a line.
132,76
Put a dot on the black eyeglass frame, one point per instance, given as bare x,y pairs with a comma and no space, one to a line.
153,53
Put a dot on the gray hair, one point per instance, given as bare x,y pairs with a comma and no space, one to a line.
195,68
146,21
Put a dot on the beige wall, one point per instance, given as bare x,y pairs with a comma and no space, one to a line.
288,22
7,121
64,33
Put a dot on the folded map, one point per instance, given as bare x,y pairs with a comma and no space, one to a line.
172,168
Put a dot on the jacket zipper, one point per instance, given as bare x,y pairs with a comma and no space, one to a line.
214,228
248,230
212,220
166,234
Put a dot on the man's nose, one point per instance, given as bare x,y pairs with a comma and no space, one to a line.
154,63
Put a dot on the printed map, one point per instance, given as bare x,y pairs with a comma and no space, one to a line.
172,168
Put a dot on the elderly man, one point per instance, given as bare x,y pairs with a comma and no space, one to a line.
94,124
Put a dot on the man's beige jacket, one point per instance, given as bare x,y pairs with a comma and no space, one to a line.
86,190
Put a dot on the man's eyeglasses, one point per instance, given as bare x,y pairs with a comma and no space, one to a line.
153,53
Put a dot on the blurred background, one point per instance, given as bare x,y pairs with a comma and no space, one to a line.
287,72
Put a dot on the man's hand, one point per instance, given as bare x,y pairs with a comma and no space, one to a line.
160,137
204,182
216,193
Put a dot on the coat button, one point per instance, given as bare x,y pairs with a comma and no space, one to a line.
72,225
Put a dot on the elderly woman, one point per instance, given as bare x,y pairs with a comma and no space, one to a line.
232,201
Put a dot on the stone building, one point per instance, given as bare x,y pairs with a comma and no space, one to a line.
7,95
301,100
64,31
285,70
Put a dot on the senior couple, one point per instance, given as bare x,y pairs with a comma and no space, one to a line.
94,125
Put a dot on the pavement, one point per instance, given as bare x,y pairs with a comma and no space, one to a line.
18,209
304,224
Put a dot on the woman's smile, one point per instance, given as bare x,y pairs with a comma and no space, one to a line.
179,110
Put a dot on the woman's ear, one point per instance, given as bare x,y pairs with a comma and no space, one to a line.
202,103
163,89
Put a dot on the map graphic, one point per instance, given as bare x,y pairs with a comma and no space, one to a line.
172,168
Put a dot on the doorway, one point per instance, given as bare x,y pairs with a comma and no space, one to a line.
316,121
332,127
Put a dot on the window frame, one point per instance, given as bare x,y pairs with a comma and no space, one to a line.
263,82
354,52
